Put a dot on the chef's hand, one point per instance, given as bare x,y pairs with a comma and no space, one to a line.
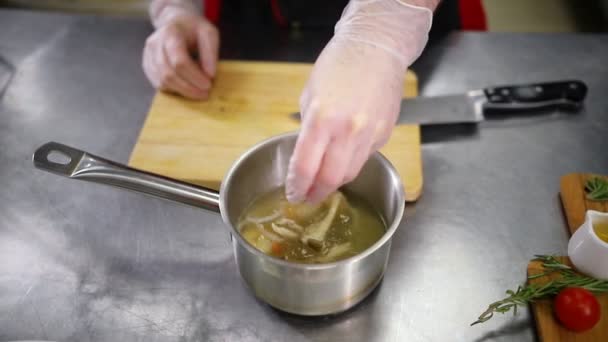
352,99
167,57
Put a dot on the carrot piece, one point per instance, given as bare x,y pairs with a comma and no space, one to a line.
277,248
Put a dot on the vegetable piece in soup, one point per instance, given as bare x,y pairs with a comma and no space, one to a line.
342,226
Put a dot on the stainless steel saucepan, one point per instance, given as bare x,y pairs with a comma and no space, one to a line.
303,289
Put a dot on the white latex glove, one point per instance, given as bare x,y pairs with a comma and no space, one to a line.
352,99
167,57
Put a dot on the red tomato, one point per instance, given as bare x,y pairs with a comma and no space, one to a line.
577,309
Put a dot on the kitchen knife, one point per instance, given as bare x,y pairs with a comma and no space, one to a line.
472,106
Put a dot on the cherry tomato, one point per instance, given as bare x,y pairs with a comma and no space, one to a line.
577,309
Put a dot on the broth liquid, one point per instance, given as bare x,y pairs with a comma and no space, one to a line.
356,224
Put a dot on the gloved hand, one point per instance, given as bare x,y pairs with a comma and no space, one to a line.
167,57
352,99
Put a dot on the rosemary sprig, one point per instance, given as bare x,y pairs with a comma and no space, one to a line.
532,292
597,189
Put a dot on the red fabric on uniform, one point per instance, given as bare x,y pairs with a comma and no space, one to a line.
211,10
276,13
472,15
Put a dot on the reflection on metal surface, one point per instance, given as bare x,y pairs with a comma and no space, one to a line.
7,71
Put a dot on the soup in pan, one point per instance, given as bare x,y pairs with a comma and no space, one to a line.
341,226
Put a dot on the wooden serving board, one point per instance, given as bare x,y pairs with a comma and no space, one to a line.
549,330
574,202
575,205
250,101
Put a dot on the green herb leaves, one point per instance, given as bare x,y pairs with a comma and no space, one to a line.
531,292
597,189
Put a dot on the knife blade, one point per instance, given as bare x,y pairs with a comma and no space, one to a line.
472,106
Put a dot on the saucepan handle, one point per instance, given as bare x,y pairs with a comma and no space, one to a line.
73,163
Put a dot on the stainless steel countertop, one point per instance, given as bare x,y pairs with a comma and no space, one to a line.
83,262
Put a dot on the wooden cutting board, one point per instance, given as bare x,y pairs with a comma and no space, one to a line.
575,205
197,142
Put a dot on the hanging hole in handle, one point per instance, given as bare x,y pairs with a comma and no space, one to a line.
58,157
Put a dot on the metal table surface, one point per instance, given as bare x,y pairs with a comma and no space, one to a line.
82,262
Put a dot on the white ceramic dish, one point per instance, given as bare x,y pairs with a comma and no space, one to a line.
588,253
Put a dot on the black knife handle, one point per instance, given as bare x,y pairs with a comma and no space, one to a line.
530,96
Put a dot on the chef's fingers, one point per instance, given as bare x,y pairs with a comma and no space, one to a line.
359,158
150,68
304,101
208,48
183,64
305,161
333,168
170,81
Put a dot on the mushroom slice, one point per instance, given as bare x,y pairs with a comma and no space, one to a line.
284,232
318,230
335,252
